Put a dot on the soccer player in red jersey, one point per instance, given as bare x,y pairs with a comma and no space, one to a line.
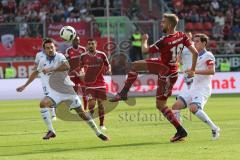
166,67
95,64
73,56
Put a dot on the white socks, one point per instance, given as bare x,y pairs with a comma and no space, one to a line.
47,119
204,117
93,125
52,110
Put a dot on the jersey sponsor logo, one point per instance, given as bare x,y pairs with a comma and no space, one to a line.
175,41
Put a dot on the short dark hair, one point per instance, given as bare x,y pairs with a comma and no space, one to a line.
203,37
172,18
47,40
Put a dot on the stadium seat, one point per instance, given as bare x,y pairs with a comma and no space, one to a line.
189,26
207,26
198,26
213,44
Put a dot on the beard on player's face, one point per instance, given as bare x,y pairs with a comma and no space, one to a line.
91,49
164,29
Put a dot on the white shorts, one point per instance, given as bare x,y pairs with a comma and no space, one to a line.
57,98
193,98
187,79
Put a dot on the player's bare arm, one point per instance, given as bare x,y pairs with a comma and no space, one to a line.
31,78
145,47
194,52
63,67
180,58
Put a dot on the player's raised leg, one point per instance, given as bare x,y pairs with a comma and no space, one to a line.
45,104
150,65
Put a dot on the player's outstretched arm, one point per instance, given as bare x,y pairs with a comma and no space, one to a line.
145,47
30,79
194,52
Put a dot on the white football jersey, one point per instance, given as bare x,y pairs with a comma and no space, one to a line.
54,62
186,59
202,83
38,57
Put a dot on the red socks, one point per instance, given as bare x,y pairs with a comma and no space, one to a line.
170,116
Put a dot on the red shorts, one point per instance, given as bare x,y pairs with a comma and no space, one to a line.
79,87
165,86
96,93
155,66
166,77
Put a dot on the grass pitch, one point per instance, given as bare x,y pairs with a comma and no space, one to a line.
138,132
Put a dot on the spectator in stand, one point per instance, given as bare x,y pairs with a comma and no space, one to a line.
96,31
23,30
220,19
217,31
73,18
215,5
227,32
236,19
229,14
194,17
236,32
98,4
229,47
134,9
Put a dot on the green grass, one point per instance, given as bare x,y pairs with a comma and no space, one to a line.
139,137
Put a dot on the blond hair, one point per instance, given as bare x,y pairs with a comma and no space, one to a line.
172,18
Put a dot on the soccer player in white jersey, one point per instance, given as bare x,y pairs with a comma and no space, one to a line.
196,97
34,75
53,69
185,58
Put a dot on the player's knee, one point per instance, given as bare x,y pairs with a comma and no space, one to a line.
178,105
91,102
100,107
175,106
44,103
159,106
193,108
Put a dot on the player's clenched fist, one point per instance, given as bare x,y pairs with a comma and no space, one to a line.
145,37
21,88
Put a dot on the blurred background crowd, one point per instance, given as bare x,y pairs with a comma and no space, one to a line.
21,20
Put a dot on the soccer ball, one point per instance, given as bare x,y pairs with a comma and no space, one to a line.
67,33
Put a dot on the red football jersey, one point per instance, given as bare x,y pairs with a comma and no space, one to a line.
94,66
73,56
169,47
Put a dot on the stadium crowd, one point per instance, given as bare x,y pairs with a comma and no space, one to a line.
219,19
52,11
